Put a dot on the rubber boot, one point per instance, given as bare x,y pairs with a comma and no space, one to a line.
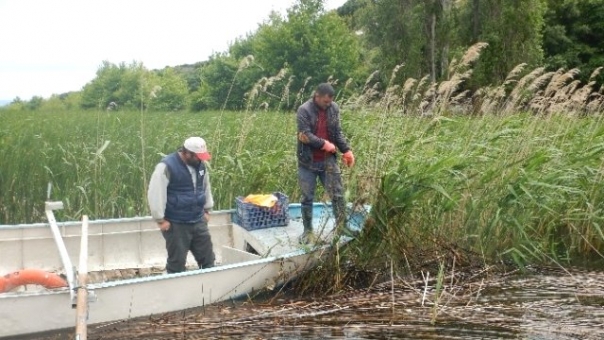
308,235
339,211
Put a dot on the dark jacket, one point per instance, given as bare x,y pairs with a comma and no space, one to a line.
184,202
307,126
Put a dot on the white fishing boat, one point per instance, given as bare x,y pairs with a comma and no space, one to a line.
123,260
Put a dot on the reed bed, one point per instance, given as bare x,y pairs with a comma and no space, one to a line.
455,176
517,187
95,161
516,190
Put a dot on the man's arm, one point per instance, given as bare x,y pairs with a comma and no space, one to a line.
158,191
209,198
305,134
340,141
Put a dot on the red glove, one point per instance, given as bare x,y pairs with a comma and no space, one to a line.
348,158
329,147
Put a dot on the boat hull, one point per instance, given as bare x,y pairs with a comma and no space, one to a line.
247,261
122,300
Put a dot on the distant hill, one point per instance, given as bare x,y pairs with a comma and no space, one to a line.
4,102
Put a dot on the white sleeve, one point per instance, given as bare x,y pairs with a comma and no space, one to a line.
209,198
158,191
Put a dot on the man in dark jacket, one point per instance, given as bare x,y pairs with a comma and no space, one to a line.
180,198
319,137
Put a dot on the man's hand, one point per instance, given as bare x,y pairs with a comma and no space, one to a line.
348,158
164,225
206,215
329,147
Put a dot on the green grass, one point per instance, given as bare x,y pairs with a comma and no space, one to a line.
518,187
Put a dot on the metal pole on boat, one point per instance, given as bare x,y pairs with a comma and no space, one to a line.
82,306
69,272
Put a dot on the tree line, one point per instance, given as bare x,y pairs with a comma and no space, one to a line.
358,45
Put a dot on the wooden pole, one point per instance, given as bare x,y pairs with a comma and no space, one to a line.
82,300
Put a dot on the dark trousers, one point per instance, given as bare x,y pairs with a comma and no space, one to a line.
328,173
182,237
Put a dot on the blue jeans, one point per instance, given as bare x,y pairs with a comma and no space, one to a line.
328,172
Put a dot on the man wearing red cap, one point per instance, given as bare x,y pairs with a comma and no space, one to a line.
319,139
180,199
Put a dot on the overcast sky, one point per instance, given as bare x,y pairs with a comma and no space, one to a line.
52,47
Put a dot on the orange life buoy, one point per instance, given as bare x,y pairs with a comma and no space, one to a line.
31,276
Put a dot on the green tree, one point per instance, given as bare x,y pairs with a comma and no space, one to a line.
309,42
136,87
34,103
415,33
424,35
172,92
573,36
225,82
102,90
128,86
190,73
351,10
513,30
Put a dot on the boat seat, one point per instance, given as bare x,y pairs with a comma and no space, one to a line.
231,255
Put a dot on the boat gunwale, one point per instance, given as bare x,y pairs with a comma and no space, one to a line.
94,222
166,276
131,219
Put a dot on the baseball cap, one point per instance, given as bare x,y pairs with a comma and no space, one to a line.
198,146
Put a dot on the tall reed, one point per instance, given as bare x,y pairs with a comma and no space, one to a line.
448,172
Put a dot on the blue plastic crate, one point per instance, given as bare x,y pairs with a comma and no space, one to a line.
252,217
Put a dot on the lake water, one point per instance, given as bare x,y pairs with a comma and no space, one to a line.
553,306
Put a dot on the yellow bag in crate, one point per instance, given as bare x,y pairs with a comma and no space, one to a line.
261,200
